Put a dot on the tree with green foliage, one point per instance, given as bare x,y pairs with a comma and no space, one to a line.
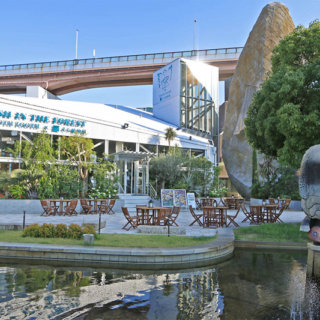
170,135
44,177
37,157
283,120
60,181
166,170
105,179
202,174
79,151
182,171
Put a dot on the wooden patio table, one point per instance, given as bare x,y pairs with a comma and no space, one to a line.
265,213
207,202
233,203
60,205
221,215
146,218
96,203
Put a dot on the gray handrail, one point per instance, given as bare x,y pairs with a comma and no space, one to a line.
100,62
152,191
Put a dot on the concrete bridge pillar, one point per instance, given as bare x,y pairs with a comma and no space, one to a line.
40,93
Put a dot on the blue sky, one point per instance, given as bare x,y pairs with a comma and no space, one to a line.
33,31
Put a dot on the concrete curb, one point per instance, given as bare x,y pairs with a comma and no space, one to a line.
125,258
270,245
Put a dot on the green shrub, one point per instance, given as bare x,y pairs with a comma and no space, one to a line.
89,229
32,231
47,231
282,183
75,231
17,191
61,231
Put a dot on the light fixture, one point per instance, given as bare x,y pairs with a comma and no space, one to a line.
125,126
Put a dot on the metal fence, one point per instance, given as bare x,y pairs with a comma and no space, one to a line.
118,61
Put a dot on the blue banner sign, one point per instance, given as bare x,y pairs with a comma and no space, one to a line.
39,122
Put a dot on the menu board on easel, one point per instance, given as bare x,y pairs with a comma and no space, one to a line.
167,197
173,197
179,198
191,200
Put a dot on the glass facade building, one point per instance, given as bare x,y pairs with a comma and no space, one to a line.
197,106
185,93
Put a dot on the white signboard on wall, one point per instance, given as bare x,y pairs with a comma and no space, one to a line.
166,93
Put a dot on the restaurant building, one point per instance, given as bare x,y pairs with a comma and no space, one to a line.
185,97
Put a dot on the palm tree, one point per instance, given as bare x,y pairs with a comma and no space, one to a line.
170,135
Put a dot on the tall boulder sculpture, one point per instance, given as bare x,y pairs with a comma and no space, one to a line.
309,187
273,24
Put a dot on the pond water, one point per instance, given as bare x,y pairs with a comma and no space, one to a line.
251,285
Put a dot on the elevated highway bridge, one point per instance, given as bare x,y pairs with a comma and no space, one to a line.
61,77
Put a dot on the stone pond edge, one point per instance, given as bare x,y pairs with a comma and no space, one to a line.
272,245
215,251
203,255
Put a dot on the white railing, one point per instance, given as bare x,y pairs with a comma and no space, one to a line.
152,191
120,188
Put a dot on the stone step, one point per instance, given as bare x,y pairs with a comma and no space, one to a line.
130,196
131,201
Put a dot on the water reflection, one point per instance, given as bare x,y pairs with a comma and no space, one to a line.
253,285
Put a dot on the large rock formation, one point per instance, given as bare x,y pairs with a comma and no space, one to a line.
254,63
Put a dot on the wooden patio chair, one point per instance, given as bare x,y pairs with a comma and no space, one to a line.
274,201
86,207
276,216
173,215
48,210
232,218
285,204
70,209
196,217
269,213
110,207
208,202
198,204
143,215
103,207
163,217
231,203
256,214
210,217
132,222
246,213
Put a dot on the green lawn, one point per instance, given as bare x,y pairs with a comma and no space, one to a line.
112,240
272,232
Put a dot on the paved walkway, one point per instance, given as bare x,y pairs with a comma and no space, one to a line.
114,223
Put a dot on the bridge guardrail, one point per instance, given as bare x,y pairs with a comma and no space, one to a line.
79,64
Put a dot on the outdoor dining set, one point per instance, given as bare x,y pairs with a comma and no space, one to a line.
208,213
154,216
214,214
67,207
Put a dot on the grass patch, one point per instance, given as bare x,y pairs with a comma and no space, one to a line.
112,240
272,232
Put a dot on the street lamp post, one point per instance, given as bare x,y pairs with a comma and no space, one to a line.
77,33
